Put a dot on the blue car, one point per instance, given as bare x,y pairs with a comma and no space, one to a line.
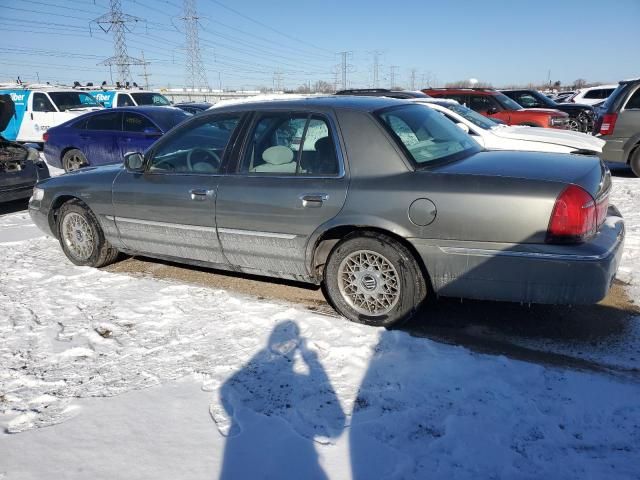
103,137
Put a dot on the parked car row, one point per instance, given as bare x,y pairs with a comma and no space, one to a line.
383,202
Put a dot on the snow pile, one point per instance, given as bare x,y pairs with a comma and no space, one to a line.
626,197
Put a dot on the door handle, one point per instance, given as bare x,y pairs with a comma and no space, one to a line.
313,200
200,193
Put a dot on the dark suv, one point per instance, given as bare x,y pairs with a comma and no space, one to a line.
382,92
580,116
618,122
494,104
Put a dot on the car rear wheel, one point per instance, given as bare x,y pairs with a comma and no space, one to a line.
73,160
371,278
81,237
575,125
634,161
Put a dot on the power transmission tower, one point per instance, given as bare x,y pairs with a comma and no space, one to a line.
278,81
116,22
392,75
195,73
376,69
345,68
413,79
145,74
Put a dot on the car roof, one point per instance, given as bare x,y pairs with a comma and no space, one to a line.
203,105
462,90
345,102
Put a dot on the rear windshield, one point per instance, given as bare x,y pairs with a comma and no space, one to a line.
148,98
426,135
68,100
474,117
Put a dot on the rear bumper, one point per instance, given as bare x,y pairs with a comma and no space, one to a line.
614,150
551,274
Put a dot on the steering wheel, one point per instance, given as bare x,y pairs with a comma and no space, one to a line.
203,155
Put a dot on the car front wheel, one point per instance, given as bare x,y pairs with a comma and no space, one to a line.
81,237
373,279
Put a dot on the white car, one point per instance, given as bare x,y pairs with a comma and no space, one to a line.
495,136
592,95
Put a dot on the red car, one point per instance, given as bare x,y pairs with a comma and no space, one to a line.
494,104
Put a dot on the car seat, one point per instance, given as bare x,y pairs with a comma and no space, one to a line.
278,159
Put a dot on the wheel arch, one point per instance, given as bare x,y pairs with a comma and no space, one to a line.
328,239
57,202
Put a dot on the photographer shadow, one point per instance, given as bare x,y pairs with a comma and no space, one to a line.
275,409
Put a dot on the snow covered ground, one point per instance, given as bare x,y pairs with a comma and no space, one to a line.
206,383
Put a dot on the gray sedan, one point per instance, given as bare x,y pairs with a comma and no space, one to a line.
382,202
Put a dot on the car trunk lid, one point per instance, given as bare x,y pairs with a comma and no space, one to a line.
587,172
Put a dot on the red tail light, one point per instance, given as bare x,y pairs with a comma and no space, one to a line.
45,136
574,217
608,123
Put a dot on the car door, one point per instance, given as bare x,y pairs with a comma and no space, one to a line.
98,138
40,118
628,122
138,133
289,180
169,209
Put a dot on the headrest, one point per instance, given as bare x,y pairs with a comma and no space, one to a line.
278,155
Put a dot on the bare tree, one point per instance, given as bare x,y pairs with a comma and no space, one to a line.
580,83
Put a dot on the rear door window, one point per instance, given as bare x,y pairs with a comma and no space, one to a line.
111,121
634,101
290,144
133,122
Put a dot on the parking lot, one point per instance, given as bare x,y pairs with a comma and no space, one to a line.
164,340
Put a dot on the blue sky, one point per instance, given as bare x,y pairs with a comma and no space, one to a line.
245,41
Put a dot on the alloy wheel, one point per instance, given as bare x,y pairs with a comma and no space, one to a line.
78,236
369,283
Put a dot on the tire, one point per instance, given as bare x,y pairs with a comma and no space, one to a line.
81,237
634,161
343,275
73,160
575,125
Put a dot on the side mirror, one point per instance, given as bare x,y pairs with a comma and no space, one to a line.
463,127
492,111
134,162
152,132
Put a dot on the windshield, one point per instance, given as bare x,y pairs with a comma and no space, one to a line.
506,102
474,117
426,135
68,100
150,98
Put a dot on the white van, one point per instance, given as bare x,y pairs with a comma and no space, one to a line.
129,97
40,108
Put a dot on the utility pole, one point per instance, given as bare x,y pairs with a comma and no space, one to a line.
116,22
413,79
195,73
145,74
392,75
